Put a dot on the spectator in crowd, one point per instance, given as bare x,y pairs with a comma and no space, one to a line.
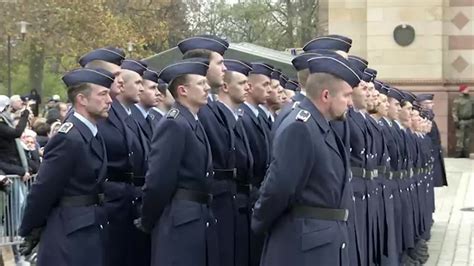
62,109
42,130
16,106
12,157
53,116
30,146
13,161
51,104
35,99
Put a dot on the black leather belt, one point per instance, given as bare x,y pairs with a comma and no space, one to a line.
122,177
81,200
193,195
302,211
128,178
225,174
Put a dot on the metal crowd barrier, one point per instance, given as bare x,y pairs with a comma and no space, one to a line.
12,205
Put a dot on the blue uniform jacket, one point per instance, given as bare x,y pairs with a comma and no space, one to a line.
74,164
309,167
258,140
180,157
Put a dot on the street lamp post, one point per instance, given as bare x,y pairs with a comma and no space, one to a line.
9,64
23,31
130,48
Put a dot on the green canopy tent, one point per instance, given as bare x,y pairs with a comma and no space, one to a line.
242,51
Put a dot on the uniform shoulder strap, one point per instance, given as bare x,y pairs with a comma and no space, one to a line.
65,128
172,114
303,115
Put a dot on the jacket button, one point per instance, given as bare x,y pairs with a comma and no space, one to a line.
207,174
207,224
343,245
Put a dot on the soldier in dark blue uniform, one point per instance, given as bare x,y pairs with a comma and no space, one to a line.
292,87
232,162
110,59
148,99
211,48
324,45
125,171
64,204
305,198
259,139
387,237
266,113
165,101
426,101
395,147
176,196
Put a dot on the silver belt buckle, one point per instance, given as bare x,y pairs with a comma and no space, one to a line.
346,215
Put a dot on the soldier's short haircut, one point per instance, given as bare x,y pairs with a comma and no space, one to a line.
317,82
73,91
228,76
173,86
303,77
198,53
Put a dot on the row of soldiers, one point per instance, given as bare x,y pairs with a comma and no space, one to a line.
342,175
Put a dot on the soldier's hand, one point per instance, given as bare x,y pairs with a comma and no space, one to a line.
139,226
30,242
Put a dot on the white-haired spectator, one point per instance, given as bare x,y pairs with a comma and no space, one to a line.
32,152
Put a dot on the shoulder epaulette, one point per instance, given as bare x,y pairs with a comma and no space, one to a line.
303,115
65,128
295,104
173,113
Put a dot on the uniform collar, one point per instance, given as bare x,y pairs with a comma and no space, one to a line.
234,113
267,112
252,108
127,109
388,121
159,110
92,127
142,110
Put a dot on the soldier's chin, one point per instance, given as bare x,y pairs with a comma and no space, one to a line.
104,114
341,117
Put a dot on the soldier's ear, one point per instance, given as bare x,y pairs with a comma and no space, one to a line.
182,90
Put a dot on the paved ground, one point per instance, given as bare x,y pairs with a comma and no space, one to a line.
452,241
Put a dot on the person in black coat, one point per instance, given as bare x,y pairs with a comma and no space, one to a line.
64,211
176,196
10,158
232,163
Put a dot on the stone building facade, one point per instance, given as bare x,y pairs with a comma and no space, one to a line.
440,58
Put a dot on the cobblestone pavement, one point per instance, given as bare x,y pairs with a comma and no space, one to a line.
452,241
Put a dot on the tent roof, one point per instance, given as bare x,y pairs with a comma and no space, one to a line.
242,51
